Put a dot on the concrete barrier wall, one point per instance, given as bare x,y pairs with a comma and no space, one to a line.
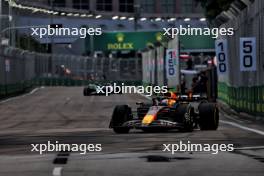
153,67
244,90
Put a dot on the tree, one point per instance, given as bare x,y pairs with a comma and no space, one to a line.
214,7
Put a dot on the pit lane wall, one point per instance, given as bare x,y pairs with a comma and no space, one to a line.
154,65
153,68
244,90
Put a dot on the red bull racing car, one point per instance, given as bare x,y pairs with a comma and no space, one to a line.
171,111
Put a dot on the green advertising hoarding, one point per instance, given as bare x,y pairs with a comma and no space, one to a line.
192,42
126,40
112,41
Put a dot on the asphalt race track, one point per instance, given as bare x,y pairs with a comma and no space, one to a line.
63,114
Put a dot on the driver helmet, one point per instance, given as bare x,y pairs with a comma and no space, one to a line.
164,102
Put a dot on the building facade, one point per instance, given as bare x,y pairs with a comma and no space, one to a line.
154,8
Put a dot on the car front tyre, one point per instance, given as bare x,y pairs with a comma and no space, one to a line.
121,114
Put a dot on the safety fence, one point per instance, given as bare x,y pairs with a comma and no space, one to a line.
21,70
243,99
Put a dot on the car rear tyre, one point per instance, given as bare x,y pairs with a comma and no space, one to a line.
209,116
85,91
121,114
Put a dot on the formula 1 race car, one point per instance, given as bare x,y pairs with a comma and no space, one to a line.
183,112
100,89
93,89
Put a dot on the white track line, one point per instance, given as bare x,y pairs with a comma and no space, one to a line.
231,118
21,96
242,127
250,148
57,171
147,97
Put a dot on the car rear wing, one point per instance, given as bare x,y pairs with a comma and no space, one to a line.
185,97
